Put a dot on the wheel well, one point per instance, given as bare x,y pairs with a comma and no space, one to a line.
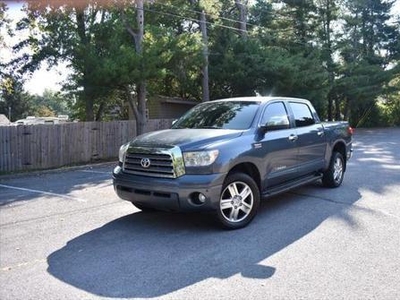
249,169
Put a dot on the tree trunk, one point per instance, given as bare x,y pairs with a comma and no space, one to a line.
205,79
141,117
85,41
330,64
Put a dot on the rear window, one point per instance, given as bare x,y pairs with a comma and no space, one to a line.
302,114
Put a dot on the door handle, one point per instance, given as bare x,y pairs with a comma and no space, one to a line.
293,137
320,133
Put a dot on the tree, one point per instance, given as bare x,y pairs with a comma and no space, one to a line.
49,104
365,49
4,24
328,12
65,31
14,101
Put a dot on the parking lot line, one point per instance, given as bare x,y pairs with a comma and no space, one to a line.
96,172
41,192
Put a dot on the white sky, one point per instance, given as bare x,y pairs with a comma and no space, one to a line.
45,77
51,78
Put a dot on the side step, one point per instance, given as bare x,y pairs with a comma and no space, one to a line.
290,185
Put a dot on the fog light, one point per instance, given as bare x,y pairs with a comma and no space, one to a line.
202,198
197,198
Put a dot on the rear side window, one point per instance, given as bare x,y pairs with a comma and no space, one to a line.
302,114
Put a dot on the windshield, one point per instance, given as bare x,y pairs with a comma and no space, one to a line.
219,115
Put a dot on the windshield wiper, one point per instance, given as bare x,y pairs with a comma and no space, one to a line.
209,127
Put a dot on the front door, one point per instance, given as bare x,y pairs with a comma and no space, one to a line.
278,146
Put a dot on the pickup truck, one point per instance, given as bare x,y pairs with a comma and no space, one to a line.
226,155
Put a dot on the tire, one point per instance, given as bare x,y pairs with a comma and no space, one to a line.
333,177
239,201
143,208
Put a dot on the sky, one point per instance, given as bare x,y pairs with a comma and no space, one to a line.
47,77
51,77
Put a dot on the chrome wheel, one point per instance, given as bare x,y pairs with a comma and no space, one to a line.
239,201
333,176
338,170
236,201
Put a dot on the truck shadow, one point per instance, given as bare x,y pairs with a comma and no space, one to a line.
147,255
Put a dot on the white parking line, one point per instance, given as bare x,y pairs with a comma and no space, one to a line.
41,192
96,172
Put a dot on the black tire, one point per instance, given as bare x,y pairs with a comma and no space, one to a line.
239,201
333,177
143,208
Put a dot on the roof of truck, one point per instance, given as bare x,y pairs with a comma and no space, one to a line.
260,98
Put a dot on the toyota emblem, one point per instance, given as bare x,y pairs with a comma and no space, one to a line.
145,162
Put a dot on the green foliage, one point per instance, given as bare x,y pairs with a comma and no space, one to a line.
390,106
364,48
49,104
339,54
13,100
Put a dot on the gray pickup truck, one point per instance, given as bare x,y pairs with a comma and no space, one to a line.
226,155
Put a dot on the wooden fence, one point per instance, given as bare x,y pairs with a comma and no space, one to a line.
33,147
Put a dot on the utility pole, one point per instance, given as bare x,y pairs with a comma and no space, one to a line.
205,79
242,8
139,109
141,87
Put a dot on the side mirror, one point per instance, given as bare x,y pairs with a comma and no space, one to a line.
267,128
276,123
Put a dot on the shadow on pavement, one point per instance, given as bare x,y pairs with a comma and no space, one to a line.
55,183
152,254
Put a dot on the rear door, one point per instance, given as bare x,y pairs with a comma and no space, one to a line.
277,145
310,138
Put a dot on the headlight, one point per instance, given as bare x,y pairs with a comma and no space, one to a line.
122,151
200,158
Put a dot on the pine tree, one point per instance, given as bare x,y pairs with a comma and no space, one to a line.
365,47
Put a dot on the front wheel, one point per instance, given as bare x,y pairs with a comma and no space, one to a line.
333,177
239,201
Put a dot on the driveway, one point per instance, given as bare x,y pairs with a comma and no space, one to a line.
64,234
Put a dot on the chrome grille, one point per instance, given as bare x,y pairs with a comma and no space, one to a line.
162,162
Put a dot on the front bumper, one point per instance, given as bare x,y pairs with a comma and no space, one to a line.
174,194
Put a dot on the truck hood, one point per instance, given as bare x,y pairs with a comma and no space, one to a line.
186,139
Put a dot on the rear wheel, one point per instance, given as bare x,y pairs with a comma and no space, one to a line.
239,201
333,177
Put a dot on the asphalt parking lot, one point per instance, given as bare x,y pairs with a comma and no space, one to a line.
64,234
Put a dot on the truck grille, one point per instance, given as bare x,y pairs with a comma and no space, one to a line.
154,162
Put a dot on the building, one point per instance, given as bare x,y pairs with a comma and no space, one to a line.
161,107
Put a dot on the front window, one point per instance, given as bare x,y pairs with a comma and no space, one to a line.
220,115
275,117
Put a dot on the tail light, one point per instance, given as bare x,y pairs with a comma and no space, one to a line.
350,130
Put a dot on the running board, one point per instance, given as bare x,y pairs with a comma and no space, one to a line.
290,185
